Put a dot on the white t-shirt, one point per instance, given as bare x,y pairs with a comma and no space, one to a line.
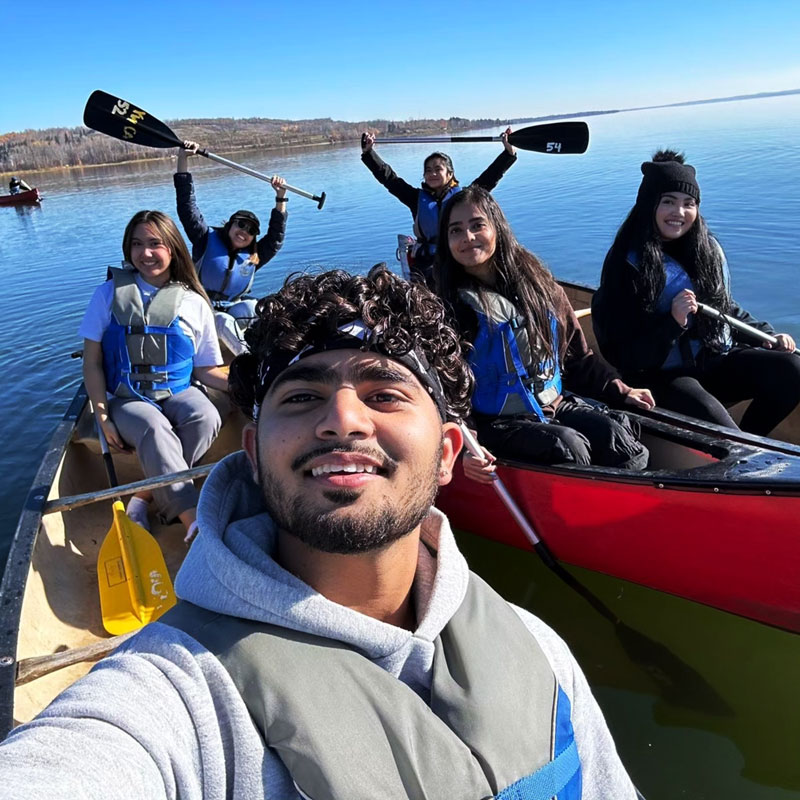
195,318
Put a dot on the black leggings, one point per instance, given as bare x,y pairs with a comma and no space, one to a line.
769,378
580,433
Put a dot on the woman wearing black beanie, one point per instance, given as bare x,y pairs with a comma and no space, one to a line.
662,263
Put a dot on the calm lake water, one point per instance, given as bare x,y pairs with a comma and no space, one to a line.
733,729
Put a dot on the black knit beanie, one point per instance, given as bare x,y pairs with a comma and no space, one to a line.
667,176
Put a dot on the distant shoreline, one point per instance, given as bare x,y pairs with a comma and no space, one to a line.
514,121
731,99
168,157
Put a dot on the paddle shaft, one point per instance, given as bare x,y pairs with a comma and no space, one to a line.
550,137
124,121
737,323
318,199
541,548
433,139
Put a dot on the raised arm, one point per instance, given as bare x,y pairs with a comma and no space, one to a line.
490,177
407,194
269,244
189,214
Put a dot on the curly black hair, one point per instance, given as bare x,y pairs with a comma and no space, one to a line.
308,307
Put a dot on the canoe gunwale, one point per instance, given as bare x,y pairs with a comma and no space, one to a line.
717,477
12,589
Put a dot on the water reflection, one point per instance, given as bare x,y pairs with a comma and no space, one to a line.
678,743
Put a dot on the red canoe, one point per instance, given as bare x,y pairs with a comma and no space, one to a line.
21,198
710,520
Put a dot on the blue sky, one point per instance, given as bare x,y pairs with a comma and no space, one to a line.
357,60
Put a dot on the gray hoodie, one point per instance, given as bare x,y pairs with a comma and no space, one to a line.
161,717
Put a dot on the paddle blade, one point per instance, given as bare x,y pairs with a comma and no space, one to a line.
134,584
123,120
553,137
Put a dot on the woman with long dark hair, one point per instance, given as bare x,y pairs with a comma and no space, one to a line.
529,353
147,332
663,262
228,257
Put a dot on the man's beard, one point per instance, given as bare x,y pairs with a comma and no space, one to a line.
370,528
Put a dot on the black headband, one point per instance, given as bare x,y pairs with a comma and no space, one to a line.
353,335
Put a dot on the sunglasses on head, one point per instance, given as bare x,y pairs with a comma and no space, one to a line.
246,226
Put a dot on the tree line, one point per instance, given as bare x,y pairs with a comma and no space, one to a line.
33,150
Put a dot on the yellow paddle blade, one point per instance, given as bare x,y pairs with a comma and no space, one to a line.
135,587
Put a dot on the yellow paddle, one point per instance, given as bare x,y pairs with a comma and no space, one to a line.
135,587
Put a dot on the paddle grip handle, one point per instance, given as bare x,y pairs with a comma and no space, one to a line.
472,445
319,199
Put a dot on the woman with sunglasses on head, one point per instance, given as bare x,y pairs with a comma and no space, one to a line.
227,258
663,262
148,333
529,353
439,184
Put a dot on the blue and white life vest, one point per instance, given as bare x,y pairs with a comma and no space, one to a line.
509,377
497,723
146,352
426,222
224,279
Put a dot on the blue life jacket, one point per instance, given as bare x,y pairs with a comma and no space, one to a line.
224,280
426,222
146,353
509,378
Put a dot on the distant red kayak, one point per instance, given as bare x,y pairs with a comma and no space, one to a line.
21,198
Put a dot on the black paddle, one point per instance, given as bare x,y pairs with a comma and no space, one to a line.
550,137
675,677
123,120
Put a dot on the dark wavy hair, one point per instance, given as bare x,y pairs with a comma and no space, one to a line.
410,314
696,251
520,275
181,268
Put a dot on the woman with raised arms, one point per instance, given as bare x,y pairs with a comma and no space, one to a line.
439,184
645,313
529,353
227,258
148,332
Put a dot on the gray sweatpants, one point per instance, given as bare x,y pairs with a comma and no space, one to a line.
168,440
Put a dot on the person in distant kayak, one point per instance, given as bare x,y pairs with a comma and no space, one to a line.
16,185
439,184
663,262
529,354
330,640
228,257
147,333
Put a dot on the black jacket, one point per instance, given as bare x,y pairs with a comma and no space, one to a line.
197,231
635,340
408,195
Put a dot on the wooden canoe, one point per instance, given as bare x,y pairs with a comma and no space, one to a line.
675,527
